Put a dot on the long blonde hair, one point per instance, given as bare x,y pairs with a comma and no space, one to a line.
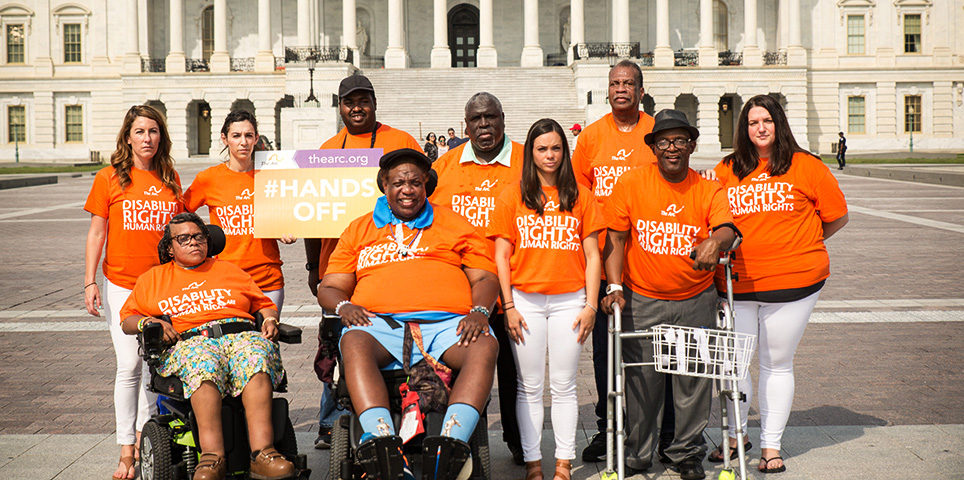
123,157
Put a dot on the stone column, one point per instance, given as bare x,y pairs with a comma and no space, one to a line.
264,60
132,58
796,54
752,56
577,26
177,124
175,57
219,109
663,53
220,59
304,24
797,98
620,21
143,42
395,54
708,54
486,55
531,50
708,118
441,55
348,28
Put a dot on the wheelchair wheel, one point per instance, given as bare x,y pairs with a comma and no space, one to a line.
340,450
480,451
155,452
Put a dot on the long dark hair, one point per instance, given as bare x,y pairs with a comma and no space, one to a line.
164,246
123,157
239,116
744,158
531,187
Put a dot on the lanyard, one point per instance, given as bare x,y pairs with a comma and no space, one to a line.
374,133
406,250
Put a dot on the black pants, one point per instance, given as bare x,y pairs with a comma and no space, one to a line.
508,382
841,159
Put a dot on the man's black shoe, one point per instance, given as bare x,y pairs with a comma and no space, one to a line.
691,469
596,450
630,471
516,451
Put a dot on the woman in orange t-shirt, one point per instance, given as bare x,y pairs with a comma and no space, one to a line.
227,189
546,234
234,359
787,203
129,204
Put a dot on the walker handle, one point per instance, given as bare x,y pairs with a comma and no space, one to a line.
722,261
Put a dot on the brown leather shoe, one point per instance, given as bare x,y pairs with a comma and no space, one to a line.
269,464
211,467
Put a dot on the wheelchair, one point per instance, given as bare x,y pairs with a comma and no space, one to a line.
170,447
345,462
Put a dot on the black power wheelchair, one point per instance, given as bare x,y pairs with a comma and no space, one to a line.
169,442
346,462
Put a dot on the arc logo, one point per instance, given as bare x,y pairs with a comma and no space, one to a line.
194,286
486,185
245,195
551,206
273,160
761,177
153,191
622,155
671,210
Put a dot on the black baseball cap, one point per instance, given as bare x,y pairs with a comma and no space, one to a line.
390,159
669,119
353,83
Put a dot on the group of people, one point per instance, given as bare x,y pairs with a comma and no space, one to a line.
436,147
493,255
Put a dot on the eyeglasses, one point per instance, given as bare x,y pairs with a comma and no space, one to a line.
680,143
185,239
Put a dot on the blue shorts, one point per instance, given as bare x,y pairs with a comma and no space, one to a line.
437,337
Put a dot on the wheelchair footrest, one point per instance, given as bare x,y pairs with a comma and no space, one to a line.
381,457
443,458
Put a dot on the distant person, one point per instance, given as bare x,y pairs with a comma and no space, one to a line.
787,203
576,129
430,148
443,146
841,151
129,203
453,141
357,106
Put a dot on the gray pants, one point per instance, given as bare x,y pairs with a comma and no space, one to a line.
645,388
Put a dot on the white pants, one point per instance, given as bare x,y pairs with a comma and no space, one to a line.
549,318
277,297
779,328
133,404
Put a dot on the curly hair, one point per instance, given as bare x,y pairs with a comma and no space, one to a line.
531,187
123,157
164,246
236,116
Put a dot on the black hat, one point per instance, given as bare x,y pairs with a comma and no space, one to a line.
669,119
352,83
391,158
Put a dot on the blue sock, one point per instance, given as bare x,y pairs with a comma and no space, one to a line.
460,420
377,421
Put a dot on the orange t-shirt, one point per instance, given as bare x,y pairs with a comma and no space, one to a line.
214,290
429,279
228,195
782,219
665,224
135,221
386,138
471,189
547,257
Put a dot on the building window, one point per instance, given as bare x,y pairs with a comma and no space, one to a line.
207,33
855,34
856,115
74,124
721,18
72,43
15,43
912,114
912,34
17,122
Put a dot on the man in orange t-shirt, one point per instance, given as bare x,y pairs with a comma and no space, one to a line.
470,179
680,213
606,149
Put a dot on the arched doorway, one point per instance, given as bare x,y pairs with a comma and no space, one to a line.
648,104
199,122
729,110
464,35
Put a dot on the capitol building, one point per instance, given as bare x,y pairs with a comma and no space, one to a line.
887,73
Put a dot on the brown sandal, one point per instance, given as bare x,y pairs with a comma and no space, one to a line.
563,470
534,470
128,463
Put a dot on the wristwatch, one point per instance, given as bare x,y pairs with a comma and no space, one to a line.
311,266
613,287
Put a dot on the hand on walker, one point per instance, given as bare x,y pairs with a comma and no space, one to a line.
608,301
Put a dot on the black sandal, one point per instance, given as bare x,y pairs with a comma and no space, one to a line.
716,456
766,463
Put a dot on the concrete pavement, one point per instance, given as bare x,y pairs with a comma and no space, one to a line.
879,390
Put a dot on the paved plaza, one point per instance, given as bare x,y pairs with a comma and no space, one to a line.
879,373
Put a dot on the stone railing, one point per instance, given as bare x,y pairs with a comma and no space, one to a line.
153,65
242,64
197,65
683,58
729,58
610,50
330,54
775,58
646,59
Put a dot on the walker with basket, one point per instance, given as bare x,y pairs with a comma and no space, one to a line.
723,355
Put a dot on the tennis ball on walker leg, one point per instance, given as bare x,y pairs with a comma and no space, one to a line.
727,475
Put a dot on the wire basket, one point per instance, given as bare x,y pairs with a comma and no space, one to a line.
702,352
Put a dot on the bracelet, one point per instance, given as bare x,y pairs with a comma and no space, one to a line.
271,319
508,305
140,323
592,307
341,304
482,310
89,284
